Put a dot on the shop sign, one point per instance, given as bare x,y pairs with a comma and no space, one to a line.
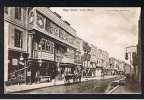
67,60
14,62
29,73
46,56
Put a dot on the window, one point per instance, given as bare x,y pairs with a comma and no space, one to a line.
47,45
18,38
48,25
69,53
31,18
61,33
52,47
18,13
40,20
71,40
43,43
6,10
56,31
67,36
52,28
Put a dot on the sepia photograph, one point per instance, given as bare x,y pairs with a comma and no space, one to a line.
72,50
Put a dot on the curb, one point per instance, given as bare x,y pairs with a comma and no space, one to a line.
112,90
15,92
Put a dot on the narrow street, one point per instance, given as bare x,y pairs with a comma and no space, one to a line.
92,86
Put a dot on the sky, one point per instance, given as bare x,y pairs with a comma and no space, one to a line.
108,28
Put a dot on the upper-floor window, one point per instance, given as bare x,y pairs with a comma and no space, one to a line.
6,10
18,13
18,38
70,53
47,45
56,31
48,26
43,44
40,20
61,35
31,18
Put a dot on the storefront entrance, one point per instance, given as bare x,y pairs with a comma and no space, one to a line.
44,72
16,67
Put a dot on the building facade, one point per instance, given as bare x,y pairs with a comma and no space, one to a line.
15,35
53,39
41,44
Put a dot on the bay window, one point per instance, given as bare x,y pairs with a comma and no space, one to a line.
47,46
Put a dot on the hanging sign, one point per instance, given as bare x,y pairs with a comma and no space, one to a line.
14,62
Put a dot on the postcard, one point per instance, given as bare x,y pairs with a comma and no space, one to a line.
72,50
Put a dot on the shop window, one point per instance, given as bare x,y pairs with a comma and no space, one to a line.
18,13
18,38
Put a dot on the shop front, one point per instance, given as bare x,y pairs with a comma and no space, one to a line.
69,72
16,67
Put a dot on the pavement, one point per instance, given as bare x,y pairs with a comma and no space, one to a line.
129,88
24,87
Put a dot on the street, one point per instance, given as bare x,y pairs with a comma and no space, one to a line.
129,88
92,86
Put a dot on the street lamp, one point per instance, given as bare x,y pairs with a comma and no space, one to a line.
23,62
21,57
40,62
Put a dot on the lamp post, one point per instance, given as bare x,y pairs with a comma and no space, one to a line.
40,63
23,62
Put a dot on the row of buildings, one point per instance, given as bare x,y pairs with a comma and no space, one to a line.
39,43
